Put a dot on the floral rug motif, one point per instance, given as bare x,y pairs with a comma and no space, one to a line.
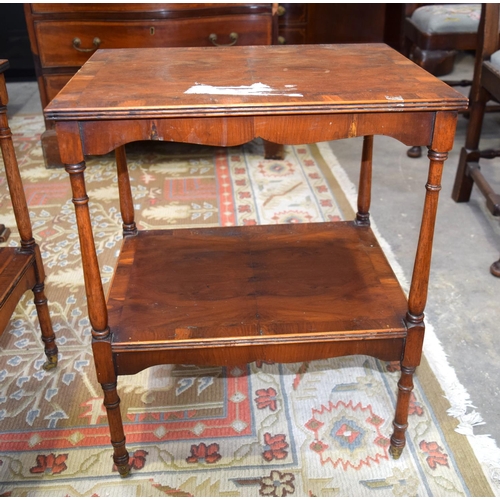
317,428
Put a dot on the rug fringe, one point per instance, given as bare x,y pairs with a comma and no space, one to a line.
484,446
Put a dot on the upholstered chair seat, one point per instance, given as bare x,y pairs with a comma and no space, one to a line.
447,18
434,34
495,59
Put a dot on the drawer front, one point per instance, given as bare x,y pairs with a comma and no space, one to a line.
292,36
58,47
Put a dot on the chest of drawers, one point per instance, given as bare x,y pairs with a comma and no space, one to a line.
63,36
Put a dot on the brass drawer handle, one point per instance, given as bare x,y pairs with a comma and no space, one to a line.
232,36
77,42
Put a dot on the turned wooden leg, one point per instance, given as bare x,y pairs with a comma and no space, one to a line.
400,424
98,314
126,201
419,285
365,183
112,405
48,336
107,377
409,362
42,309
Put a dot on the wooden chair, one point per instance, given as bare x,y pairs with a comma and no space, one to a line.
21,268
433,34
487,74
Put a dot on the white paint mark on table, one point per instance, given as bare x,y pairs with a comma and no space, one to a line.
397,99
258,89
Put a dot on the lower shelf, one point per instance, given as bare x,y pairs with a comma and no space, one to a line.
232,287
17,275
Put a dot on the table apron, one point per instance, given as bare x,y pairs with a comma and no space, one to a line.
102,136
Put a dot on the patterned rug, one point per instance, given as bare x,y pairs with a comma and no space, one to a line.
304,429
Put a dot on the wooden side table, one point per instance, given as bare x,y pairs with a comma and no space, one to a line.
231,295
21,268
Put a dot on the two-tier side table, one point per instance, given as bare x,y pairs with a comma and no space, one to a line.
231,295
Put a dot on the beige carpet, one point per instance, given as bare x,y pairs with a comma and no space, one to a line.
303,429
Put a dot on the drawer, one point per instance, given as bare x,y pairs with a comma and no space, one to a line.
292,36
58,48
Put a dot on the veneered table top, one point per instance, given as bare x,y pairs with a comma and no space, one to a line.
249,80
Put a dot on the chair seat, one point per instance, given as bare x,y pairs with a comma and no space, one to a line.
495,59
17,275
449,18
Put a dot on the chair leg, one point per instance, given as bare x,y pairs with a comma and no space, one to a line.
112,405
463,184
414,152
48,336
42,309
462,188
495,268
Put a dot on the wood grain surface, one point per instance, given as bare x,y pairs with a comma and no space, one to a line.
123,83
254,283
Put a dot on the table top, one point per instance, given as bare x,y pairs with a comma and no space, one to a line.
249,80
